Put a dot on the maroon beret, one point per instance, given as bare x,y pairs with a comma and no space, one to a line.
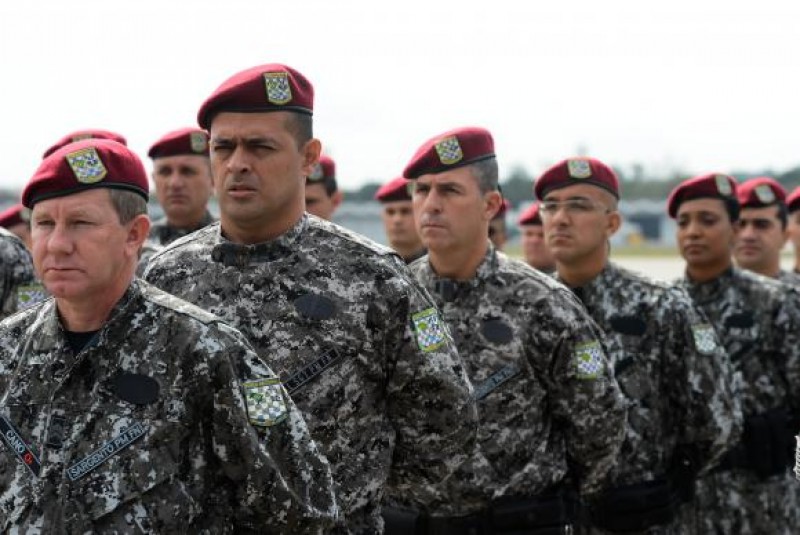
14,216
397,189
793,200
449,150
91,133
760,191
271,87
193,141
707,186
325,169
83,165
574,171
530,216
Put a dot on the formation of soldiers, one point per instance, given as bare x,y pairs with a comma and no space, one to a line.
273,372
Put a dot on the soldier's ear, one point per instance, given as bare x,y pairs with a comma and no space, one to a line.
614,222
311,151
138,230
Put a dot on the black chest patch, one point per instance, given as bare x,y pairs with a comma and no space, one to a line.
741,320
628,325
315,307
497,331
136,388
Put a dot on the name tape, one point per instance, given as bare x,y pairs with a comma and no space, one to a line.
106,451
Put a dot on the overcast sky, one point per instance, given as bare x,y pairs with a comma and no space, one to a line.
695,85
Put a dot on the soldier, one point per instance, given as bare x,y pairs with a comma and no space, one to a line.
182,176
88,133
498,232
666,359
763,229
358,343
752,490
16,219
323,195
19,286
547,399
398,219
534,248
123,408
793,208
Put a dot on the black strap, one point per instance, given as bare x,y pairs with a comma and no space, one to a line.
19,447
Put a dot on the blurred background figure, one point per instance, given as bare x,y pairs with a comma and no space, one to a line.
88,133
182,176
397,214
497,226
323,195
534,248
17,220
793,207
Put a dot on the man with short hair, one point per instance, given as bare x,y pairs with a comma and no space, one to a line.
762,229
397,215
547,400
323,195
534,248
182,176
358,343
124,409
661,348
758,323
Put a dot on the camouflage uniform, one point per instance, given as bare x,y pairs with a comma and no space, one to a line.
674,374
357,344
759,327
792,278
148,250
162,233
545,394
146,428
17,273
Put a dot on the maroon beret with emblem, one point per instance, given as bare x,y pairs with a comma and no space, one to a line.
271,87
84,165
707,186
573,171
397,189
91,133
14,216
325,169
456,148
760,191
793,200
530,216
192,141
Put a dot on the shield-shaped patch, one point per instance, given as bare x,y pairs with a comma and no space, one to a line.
579,168
278,89
449,150
87,165
723,186
429,329
198,142
30,294
265,403
765,194
316,172
588,360
704,339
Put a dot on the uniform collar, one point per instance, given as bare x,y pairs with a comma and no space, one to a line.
449,289
601,281
240,255
712,289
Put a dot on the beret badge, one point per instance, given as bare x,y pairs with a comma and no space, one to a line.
449,150
278,89
87,165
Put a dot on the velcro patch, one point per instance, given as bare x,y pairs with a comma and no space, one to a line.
106,451
588,360
704,339
265,404
430,331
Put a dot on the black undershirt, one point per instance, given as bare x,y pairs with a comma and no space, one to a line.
77,341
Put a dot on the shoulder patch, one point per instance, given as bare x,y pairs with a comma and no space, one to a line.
30,294
588,360
265,404
429,329
704,339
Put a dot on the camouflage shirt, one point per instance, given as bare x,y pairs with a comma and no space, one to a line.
357,343
759,326
162,233
18,278
792,278
546,397
670,367
148,428
148,250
